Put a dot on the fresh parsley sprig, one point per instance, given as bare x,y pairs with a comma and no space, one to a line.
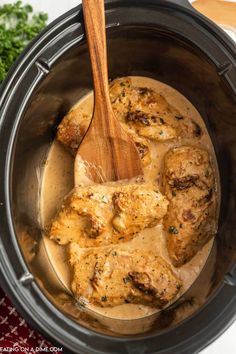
18,25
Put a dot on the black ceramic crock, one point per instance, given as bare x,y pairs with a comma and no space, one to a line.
165,40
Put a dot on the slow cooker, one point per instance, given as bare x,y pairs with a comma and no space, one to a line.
165,40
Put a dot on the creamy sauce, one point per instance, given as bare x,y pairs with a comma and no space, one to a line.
58,180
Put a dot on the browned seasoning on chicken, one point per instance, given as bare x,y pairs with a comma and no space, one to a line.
115,276
72,129
100,215
189,185
143,113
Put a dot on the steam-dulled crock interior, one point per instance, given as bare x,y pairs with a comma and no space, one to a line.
132,50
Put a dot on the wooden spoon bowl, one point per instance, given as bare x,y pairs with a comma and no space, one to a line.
106,147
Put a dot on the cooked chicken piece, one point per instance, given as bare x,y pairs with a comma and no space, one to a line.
148,113
153,120
107,214
83,216
150,129
145,111
72,129
142,146
189,185
136,208
142,113
114,277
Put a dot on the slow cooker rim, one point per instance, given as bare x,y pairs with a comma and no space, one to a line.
15,70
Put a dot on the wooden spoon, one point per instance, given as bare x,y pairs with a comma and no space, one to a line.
106,147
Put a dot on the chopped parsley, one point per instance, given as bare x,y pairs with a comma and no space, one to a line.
179,117
105,199
104,298
127,279
18,25
173,230
173,193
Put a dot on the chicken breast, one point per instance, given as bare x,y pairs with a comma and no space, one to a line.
189,185
143,113
114,277
100,215
72,129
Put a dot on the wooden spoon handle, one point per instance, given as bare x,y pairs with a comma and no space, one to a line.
94,15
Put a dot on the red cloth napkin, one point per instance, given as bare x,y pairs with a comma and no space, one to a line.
16,336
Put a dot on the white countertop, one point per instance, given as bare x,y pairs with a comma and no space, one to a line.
226,343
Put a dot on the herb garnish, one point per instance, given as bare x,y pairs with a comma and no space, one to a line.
18,25
162,121
173,230
105,199
126,279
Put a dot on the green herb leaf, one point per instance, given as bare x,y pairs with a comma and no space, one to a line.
179,117
127,279
173,230
121,238
18,25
